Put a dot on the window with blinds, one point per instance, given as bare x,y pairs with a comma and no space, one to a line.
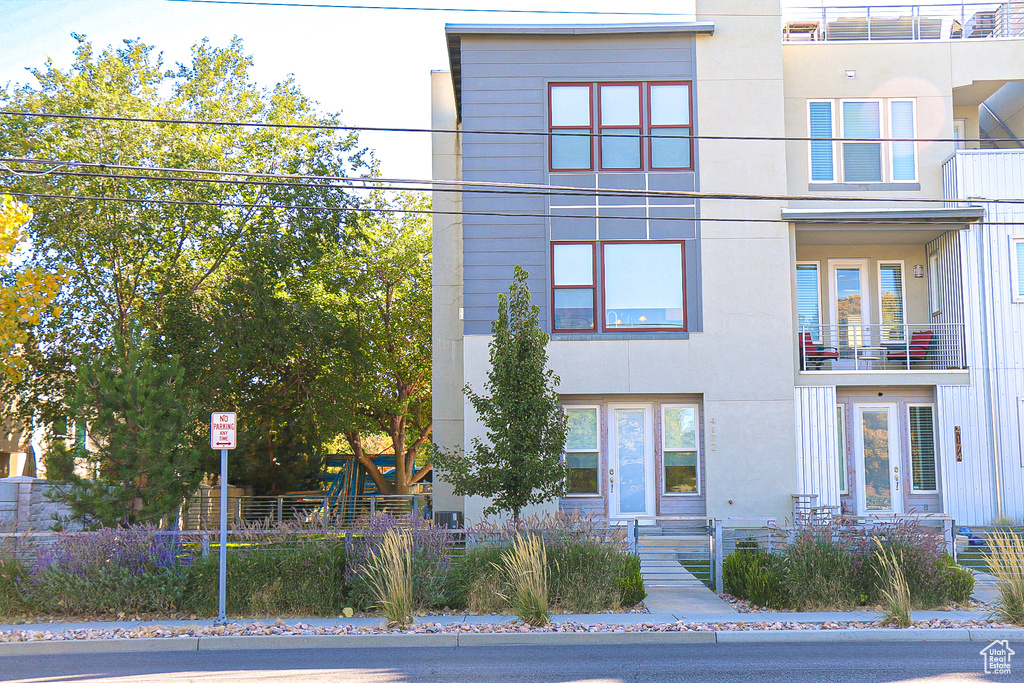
862,161
808,298
922,448
1018,274
823,167
901,125
890,288
862,122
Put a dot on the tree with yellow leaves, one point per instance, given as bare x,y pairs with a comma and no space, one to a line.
24,292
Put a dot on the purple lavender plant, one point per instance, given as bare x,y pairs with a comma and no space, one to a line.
139,549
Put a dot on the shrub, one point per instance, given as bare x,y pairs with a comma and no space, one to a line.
584,576
389,576
819,573
431,552
1006,563
12,577
302,578
134,569
894,591
631,583
958,583
525,570
752,573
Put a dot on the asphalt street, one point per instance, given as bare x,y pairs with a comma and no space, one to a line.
760,663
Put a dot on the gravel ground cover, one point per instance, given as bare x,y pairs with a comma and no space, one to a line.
282,629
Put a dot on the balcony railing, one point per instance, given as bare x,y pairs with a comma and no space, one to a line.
905,22
881,348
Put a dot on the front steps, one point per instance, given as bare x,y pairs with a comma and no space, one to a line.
660,553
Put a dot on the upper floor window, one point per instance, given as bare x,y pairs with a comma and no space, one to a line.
1017,254
637,126
862,122
641,286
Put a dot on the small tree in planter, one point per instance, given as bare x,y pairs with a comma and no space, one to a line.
522,462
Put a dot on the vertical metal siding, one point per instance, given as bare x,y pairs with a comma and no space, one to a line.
969,486
816,444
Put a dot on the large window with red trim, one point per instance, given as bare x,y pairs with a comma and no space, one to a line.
621,126
636,287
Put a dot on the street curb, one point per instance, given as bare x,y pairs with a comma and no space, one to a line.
327,641
599,638
990,634
856,635
388,640
96,646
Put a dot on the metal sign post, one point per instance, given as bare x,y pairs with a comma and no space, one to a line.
222,436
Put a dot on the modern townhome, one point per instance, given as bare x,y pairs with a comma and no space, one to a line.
779,270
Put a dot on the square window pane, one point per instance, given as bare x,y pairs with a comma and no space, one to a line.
670,148
862,162
680,472
670,105
571,150
643,286
570,106
620,105
581,429
574,309
619,149
582,472
574,264
861,120
680,427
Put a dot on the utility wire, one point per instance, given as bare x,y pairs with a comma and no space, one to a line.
429,9
434,212
540,133
369,183
511,188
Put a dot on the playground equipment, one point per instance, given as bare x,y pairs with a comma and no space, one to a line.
351,492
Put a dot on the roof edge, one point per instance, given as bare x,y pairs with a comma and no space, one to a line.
580,29
964,214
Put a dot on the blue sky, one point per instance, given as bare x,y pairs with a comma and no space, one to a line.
372,65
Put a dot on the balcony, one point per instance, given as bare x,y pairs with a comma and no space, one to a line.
936,347
904,22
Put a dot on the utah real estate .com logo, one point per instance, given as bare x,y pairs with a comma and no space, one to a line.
997,657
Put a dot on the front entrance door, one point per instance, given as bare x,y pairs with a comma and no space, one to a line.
631,461
880,480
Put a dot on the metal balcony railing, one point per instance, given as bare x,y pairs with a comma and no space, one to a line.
950,21
881,347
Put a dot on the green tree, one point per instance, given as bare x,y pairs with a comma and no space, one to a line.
381,385
521,462
178,256
140,460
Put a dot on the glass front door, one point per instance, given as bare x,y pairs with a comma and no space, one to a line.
631,465
880,481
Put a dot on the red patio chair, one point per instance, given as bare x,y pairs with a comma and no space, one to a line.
815,355
918,349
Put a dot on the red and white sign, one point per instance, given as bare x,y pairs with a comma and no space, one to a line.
222,431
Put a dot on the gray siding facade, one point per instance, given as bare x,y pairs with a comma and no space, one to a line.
504,81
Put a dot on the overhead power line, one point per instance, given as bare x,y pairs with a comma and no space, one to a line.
371,183
267,3
457,131
505,214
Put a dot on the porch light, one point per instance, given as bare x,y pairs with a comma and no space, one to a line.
918,271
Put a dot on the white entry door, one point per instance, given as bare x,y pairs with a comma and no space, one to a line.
631,461
880,480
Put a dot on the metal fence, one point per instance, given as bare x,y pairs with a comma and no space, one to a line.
949,21
308,508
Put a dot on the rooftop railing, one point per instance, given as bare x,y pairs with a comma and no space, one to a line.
949,21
